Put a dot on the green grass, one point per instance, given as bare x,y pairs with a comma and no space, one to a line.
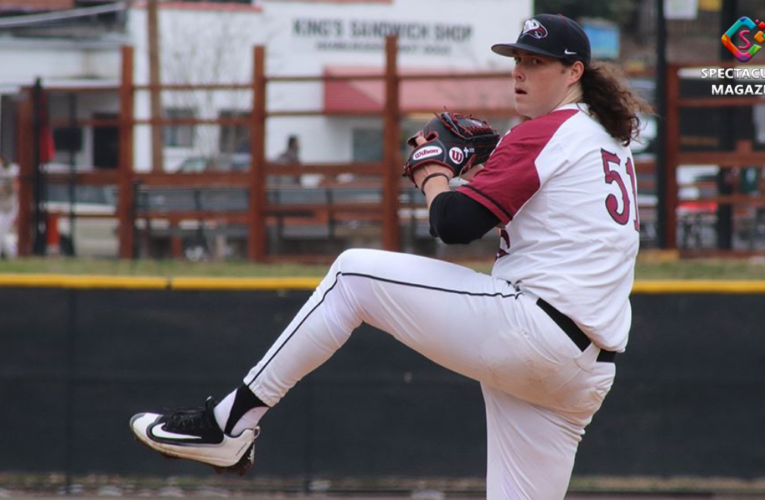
57,265
697,269
647,268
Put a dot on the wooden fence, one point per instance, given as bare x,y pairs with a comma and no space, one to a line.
263,211
259,212
722,206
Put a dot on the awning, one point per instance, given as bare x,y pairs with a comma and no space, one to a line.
348,96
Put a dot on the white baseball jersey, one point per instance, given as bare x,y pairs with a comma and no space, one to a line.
566,191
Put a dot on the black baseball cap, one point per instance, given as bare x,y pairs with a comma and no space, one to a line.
550,35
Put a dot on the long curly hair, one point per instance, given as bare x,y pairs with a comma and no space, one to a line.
610,99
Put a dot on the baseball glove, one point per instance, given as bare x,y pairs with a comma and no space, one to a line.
455,141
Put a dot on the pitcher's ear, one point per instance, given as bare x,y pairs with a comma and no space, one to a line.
576,71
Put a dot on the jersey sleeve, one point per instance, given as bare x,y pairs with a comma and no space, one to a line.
511,177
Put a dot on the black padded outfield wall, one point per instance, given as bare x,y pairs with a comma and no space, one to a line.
76,363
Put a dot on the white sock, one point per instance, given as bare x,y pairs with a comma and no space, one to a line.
223,409
249,420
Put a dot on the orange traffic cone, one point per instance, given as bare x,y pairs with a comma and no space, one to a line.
54,235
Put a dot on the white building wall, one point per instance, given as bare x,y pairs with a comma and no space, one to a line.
303,39
102,64
60,63
444,34
197,46
52,60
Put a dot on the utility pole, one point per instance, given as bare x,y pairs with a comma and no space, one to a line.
157,162
661,109
735,117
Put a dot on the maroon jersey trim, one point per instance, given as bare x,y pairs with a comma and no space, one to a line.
510,178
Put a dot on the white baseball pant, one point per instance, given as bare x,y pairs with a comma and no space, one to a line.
540,390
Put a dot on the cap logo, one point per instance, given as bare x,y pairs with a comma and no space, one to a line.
534,29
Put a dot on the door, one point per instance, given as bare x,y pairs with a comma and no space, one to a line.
106,143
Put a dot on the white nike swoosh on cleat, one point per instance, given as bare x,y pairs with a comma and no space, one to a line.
159,432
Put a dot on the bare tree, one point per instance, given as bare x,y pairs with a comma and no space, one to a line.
214,50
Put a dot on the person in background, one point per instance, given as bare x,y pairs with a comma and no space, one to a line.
292,153
290,156
7,207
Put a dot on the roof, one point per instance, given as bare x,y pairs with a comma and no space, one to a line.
35,5
57,18
203,6
417,95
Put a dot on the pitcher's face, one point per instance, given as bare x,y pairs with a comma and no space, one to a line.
541,83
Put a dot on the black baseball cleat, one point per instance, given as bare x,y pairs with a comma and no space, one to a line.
193,433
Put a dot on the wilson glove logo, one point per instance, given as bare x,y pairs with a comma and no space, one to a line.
457,156
427,152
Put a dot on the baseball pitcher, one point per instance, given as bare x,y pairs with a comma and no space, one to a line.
541,333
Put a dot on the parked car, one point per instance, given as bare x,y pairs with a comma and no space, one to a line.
94,218
237,162
645,144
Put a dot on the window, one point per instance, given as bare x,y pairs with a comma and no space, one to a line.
367,144
234,138
179,136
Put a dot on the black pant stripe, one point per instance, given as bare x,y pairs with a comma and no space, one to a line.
294,331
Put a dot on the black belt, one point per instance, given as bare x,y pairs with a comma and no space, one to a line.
575,333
